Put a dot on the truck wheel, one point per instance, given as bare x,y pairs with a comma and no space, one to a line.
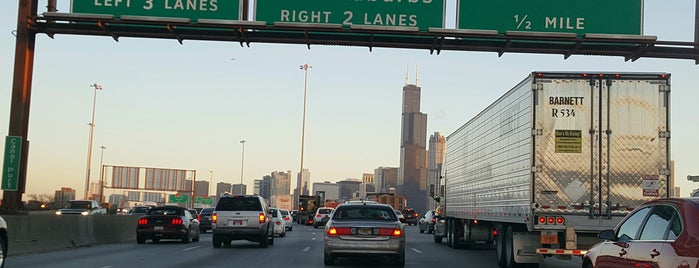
500,245
186,238
216,241
399,260
264,241
437,239
328,259
509,249
450,234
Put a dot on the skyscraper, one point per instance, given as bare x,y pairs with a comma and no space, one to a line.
412,174
438,146
302,182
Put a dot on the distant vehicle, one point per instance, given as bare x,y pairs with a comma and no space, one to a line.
278,221
167,222
659,233
411,216
205,219
322,216
242,217
81,207
359,230
400,215
139,210
288,221
427,222
308,204
3,242
195,214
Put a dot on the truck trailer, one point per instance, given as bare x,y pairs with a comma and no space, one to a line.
557,159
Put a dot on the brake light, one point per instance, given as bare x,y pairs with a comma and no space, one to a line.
142,221
551,220
560,220
214,217
390,232
318,216
198,217
333,231
434,220
542,220
262,218
415,215
278,223
176,221
287,218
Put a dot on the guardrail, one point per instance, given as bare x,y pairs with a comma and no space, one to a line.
36,233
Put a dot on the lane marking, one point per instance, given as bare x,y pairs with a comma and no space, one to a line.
306,249
313,238
413,249
108,266
186,249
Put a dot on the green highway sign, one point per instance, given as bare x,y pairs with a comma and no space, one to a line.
399,13
178,198
580,17
10,168
204,201
191,9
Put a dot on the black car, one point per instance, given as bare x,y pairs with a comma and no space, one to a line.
411,216
205,219
167,222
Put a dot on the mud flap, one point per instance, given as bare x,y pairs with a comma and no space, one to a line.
525,245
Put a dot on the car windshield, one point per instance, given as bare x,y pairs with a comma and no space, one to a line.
239,204
166,211
140,210
364,213
79,205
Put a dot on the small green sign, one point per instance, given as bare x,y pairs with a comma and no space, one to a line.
397,13
580,17
10,169
203,200
194,10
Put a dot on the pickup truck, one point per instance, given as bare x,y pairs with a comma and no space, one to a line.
82,207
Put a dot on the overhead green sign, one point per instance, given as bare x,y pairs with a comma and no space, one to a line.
399,13
10,169
191,9
580,17
178,198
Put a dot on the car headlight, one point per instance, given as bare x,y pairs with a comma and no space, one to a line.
58,212
85,213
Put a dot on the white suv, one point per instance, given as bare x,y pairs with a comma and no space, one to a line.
242,217
322,216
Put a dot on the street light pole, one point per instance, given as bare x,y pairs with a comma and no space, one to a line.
242,166
89,144
102,173
211,180
305,68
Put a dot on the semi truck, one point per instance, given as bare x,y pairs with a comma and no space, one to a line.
555,160
307,208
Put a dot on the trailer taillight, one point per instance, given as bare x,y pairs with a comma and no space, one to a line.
542,220
560,220
551,220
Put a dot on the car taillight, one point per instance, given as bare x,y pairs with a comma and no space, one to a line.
333,231
415,215
287,218
390,232
198,217
176,221
214,217
142,221
434,220
262,217
278,223
317,215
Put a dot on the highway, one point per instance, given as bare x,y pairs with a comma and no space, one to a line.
302,247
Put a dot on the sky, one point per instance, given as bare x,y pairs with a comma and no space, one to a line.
188,106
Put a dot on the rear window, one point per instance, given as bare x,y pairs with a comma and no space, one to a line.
324,211
207,211
239,203
365,213
79,205
285,212
140,210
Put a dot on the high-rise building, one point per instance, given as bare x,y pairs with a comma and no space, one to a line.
438,146
282,182
367,185
348,188
239,189
302,182
201,188
332,190
222,187
266,187
412,174
64,195
256,187
385,178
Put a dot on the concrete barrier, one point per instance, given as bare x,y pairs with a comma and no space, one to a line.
29,234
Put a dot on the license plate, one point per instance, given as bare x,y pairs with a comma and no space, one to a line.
235,222
364,231
549,237
157,228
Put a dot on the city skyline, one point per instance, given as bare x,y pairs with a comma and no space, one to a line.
187,106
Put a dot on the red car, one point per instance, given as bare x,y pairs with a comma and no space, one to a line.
660,233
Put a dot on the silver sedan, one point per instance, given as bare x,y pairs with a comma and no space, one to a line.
363,229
